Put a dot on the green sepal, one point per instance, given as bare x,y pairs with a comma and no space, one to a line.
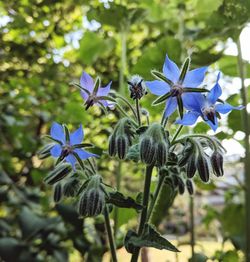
66,131
106,98
51,138
44,152
149,238
180,106
161,99
184,69
194,90
97,85
79,86
160,76
58,173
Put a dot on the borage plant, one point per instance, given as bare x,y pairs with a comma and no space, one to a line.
176,159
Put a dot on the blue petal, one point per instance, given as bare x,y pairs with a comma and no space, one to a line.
84,95
171,106
87,82
57,132
157,87
215,92
77,136
188,119
83,154
195,77
193,101
213,126
103,91
71,159
226,108
171,70
56,150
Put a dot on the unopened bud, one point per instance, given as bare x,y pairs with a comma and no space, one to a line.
57,192
71,187
147,150
191,166
60,171
122,146
203,169
112,146
190,186
161,153
217,163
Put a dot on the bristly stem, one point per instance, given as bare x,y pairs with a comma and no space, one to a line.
118,184
143,219
110,235
177,133
138,111
192,235
246,128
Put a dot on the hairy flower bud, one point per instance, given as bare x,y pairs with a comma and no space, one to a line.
92,198
191,166
57,192
122,146
112,146
203,168
154,146
217,163
71,187
137,87
190,186
181,186
60,171
147,151
161,153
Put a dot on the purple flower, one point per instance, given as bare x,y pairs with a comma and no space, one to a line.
92,93
207,107
176,83
67,148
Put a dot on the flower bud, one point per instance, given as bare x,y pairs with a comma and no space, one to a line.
190,186
122,146
71,187
91,203
57,192
217,163
161,153
147,151
181,186
60,171
137,87
203,169
112,146
191,166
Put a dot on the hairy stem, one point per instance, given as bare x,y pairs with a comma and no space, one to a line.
143,219
177,133
138,111
246,128
192,235
110,235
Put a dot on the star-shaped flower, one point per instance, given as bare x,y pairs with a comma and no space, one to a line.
207,107
175,83
92,93
68,147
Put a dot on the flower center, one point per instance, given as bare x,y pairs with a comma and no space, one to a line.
67,149
209,112
90,101
176,90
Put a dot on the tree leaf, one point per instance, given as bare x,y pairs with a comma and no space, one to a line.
119,200
149,238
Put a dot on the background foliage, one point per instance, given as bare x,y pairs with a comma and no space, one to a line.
44,46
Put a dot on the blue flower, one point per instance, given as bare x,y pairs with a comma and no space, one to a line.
92,93
176,84
67,149
207,107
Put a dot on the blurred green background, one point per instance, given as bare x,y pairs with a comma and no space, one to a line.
45,45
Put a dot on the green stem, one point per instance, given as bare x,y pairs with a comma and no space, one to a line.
164,119
110,235
246,128
156,193
177,133
127,103
192,235
125,114
143,219
138,111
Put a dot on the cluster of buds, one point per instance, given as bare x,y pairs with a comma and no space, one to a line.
154,146
121,139
194,158
137,87
92,197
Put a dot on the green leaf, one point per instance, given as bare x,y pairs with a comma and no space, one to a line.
149,238
119,200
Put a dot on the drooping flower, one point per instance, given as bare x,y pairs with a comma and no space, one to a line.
206,107
68,147
174,84
92,93
137,87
